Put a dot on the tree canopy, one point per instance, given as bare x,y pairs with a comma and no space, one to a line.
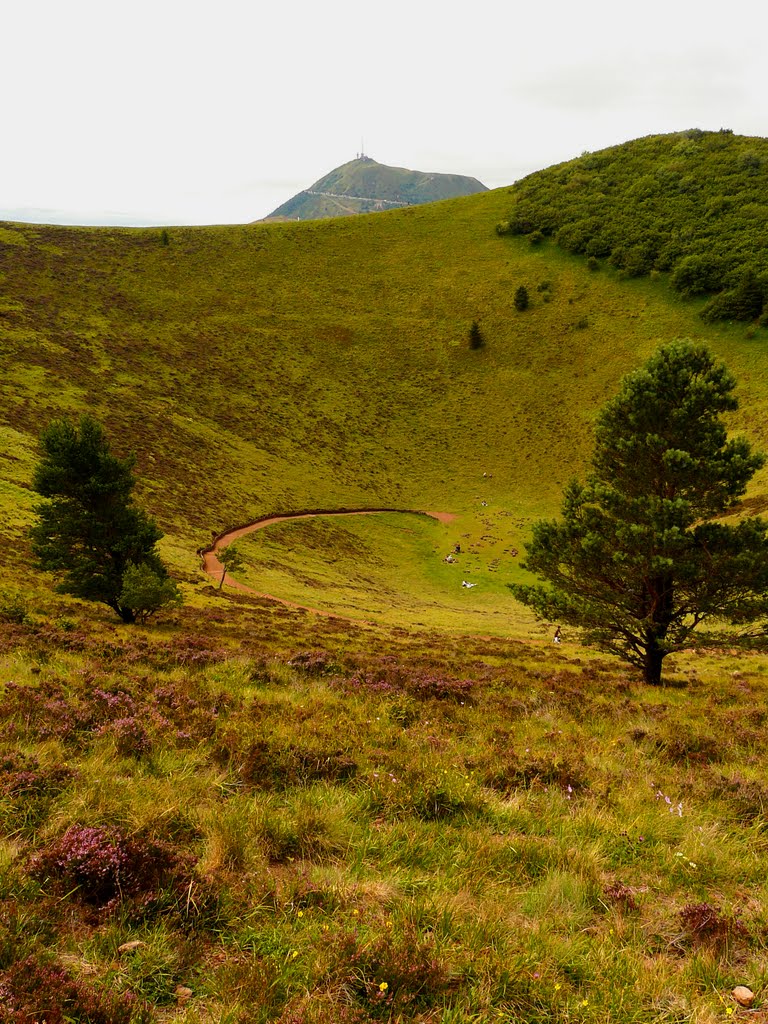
89,531
640,559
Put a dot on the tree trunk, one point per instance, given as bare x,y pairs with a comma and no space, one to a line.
654,656
221,581
660,592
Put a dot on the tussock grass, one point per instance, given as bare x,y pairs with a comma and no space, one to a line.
553,842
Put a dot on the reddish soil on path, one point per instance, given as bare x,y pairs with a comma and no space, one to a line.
214,568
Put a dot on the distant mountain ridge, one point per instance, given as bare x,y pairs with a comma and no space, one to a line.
365,186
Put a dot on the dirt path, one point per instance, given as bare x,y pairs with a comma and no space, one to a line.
214,568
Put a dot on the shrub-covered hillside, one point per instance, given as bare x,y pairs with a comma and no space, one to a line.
691,203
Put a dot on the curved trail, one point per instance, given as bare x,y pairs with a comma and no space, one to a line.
214,568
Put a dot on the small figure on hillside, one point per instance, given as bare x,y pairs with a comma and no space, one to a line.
467,585
449,558
457,549
556,637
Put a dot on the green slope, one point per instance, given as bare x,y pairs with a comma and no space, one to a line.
691,203
272,368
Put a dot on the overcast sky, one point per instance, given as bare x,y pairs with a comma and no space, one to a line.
183,112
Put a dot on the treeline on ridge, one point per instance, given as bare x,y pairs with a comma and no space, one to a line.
693,204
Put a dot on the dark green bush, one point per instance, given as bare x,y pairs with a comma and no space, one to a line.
476,339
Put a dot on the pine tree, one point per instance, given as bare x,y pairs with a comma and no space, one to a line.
89,530
522,299
476,339
640,559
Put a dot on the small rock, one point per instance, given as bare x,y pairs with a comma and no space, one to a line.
744,996
128,947
182,993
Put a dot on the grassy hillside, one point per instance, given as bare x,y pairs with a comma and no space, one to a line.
411,807
365,186
272,368
691,204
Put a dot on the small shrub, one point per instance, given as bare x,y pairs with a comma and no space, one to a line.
106,867
314,663
130,736
747,798
22,776
744,302
35,990
508,772
476,339
388,680
394,975
622,895
522,299
146,591
682,745
704,924
13,608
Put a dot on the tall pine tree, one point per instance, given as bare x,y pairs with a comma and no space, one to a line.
640,558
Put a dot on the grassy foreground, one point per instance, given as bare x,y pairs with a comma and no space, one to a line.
253,815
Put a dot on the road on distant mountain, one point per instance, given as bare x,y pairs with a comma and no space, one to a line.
214,568
349,195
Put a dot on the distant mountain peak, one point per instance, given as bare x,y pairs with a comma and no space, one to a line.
363,185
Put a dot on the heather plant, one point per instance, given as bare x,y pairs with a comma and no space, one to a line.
273,763
130,737
36,989
705,924
23,777
105,866
403,971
